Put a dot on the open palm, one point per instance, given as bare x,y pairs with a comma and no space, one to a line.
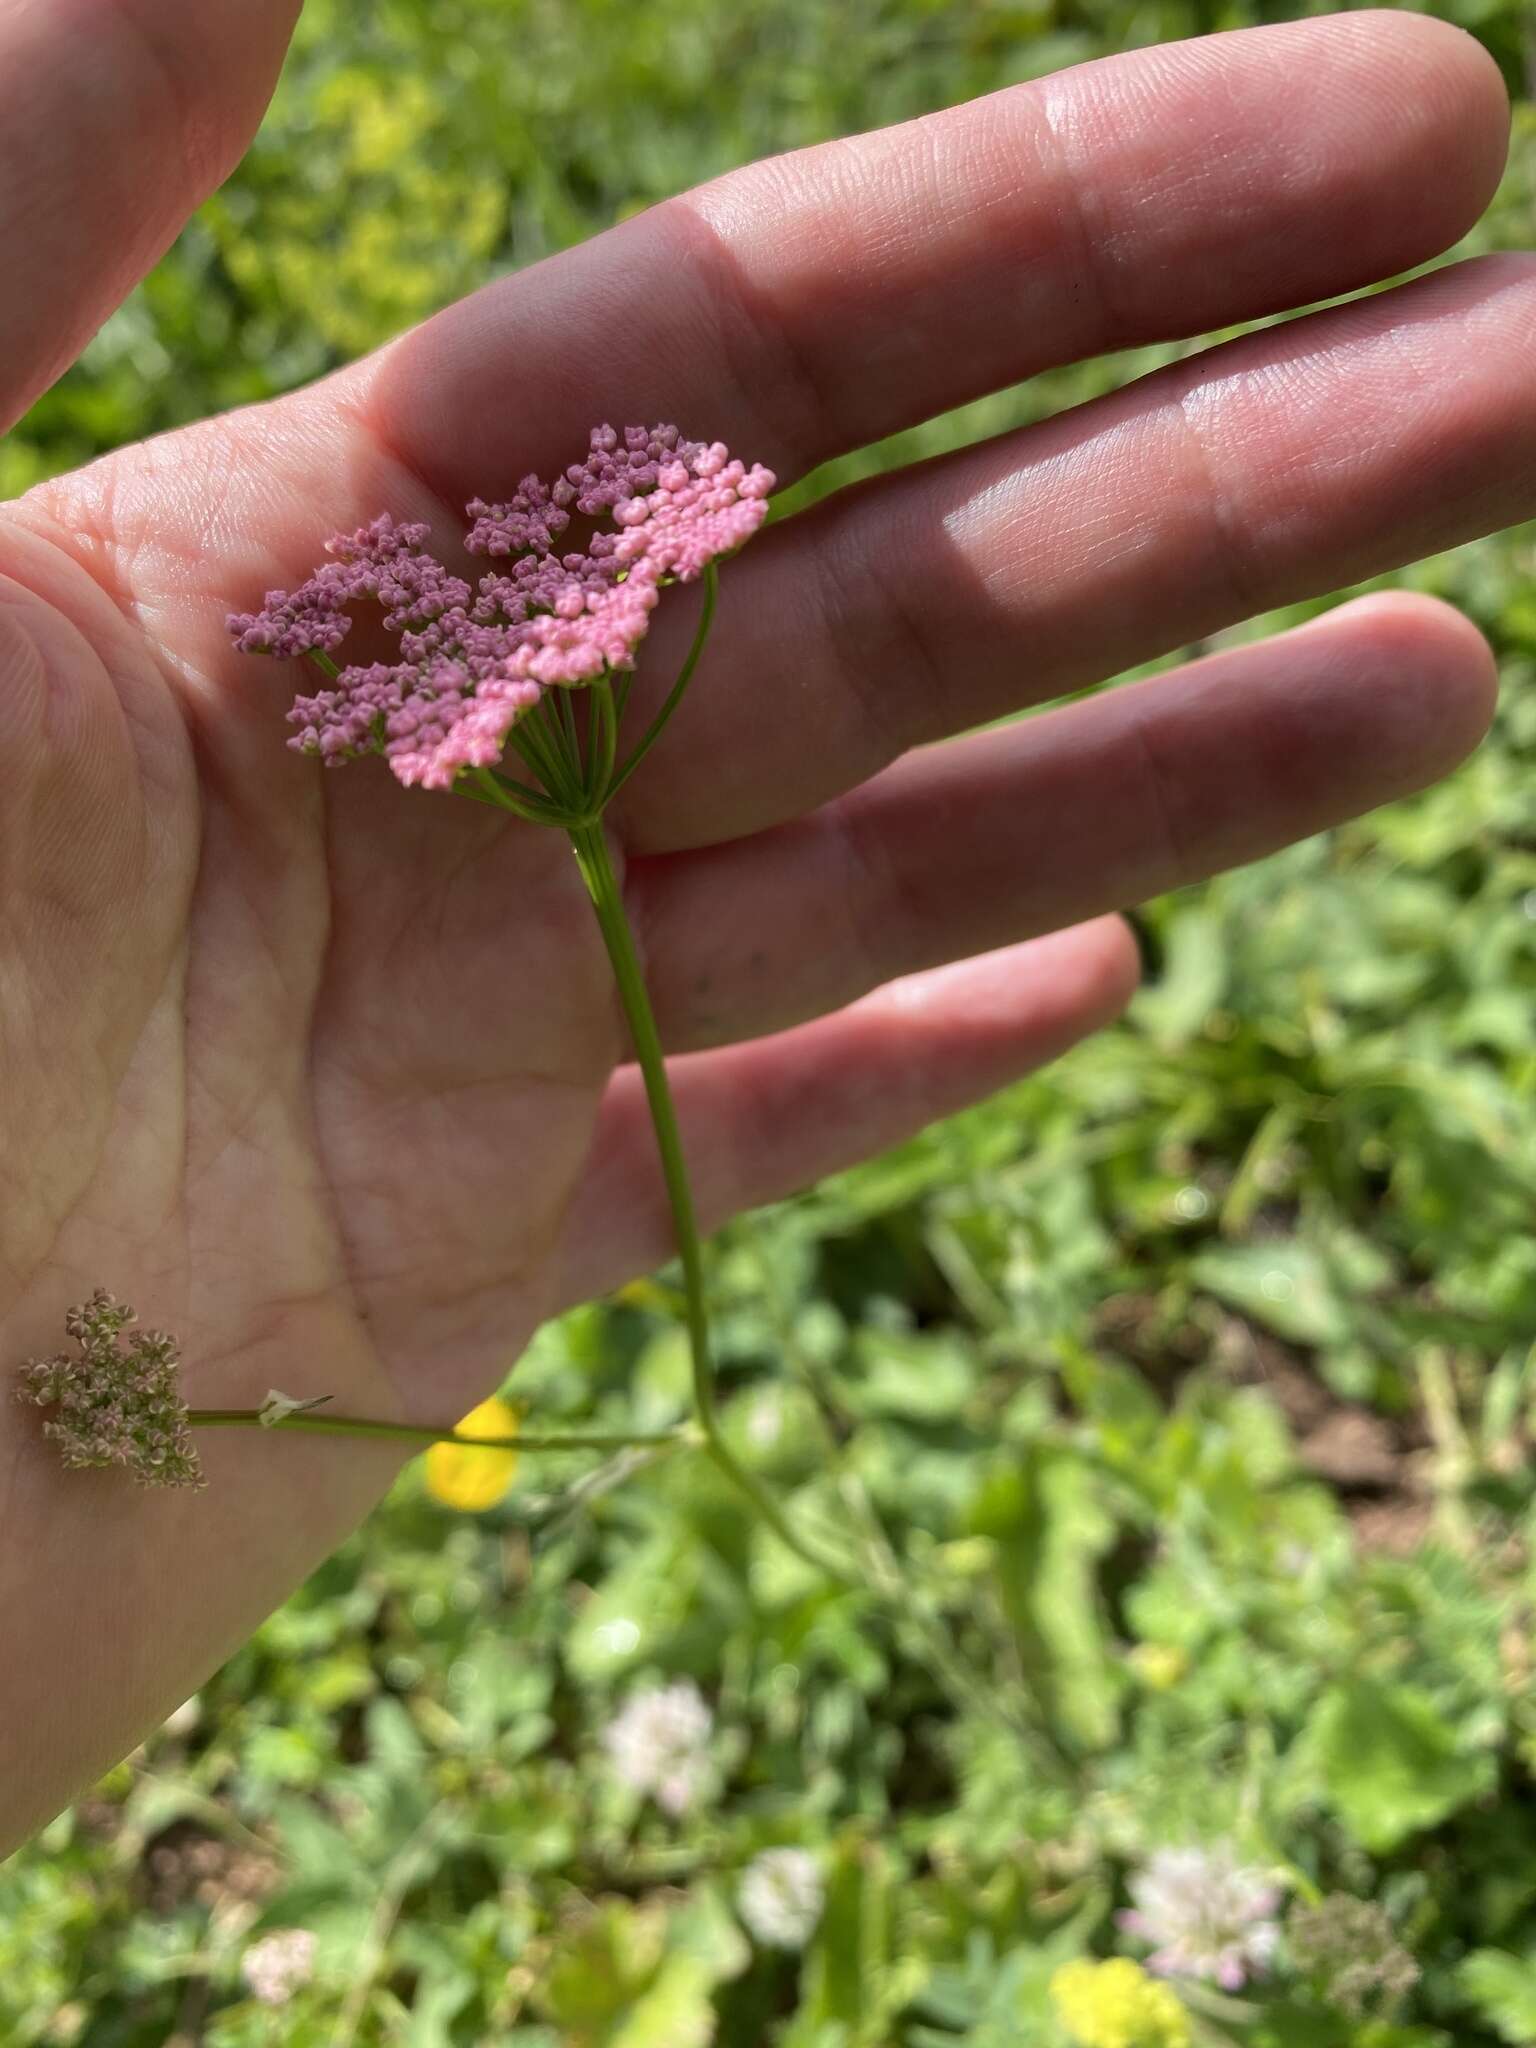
326,1075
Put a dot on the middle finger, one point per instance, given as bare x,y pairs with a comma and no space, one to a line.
1269,469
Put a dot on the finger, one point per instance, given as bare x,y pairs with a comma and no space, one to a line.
824,299
760,1120
1274,468
968,846
115,121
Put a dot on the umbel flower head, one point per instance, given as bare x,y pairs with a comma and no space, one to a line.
475,661
659,1744
1348,1947
781,1896
280,1964
115,1402
1205,1915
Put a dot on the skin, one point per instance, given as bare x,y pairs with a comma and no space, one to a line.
327,1076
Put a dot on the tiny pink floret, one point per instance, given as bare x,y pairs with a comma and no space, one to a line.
476,661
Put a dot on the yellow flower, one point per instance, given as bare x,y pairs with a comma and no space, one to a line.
1159,1666
471,1480
644,1294
1117,2005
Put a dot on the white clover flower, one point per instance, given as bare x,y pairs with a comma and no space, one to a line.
658,1744
1205,1915
277,1965
780,1897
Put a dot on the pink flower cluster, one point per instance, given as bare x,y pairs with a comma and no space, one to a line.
116,1403
475,661
1205,1915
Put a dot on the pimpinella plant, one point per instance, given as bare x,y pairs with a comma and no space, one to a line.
535,662
512,692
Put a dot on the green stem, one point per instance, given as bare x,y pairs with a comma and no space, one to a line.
411,1433
485,787
535,744
568,722
594,780
675,695
591,848
552,733
324,663
606,744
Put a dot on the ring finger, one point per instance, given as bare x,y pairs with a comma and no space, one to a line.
972,845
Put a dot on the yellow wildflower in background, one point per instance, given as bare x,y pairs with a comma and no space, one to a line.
468,1479
1159,1666
1117,2005
406,214
647,1294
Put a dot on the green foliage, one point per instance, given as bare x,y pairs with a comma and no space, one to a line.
1502,1989
1178,1401
1390,1763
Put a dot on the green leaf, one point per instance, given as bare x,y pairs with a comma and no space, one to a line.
393,1742
922,1380
1284,1286
1193,982
706,1929
1503,1988
858,1973
1050,1532
605,1961
676,2012
636,1610
1391,1766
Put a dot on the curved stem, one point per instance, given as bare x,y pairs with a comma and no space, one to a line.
411,1433
592,856
552,746
675,695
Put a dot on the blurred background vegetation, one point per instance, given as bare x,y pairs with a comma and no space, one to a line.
1181,1397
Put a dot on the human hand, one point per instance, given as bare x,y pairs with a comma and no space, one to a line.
322,1075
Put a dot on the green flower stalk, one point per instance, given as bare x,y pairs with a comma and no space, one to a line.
116,1400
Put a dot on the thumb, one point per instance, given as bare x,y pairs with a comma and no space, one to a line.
117,117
